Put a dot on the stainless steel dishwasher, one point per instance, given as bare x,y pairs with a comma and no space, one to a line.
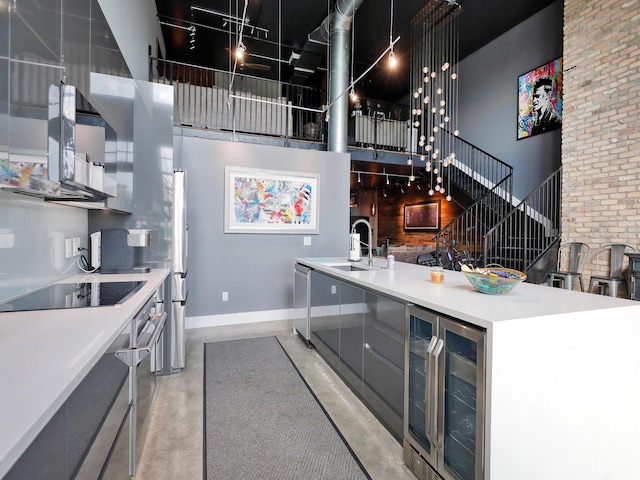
301,299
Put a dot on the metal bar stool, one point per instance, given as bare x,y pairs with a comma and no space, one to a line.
614,279
576,252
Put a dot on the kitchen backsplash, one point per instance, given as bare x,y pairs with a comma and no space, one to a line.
33,241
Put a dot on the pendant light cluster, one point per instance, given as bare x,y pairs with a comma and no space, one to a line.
435,89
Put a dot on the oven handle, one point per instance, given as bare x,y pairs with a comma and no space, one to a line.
133,356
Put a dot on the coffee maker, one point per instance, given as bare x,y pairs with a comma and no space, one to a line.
121,250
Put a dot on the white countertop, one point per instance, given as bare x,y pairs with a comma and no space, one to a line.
45,354
457,298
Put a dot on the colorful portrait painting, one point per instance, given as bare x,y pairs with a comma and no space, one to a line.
259,201
540,100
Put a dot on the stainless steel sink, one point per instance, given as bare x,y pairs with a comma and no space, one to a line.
353,268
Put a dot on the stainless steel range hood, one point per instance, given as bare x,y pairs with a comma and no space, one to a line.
80,179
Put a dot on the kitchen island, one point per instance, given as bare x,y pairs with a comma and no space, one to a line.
559,367
46,354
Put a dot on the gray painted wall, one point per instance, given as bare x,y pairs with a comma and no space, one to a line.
255,269
488,94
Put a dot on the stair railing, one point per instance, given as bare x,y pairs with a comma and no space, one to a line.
529,230
489,183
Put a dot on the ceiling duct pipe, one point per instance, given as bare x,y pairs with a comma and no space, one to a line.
339,51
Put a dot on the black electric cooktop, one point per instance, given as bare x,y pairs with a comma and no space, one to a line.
73,295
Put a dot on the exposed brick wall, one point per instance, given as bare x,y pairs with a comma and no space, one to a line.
601,124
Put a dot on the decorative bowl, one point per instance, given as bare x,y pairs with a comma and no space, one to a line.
494,280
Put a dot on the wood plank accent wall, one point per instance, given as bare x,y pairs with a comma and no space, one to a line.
390,214
601,131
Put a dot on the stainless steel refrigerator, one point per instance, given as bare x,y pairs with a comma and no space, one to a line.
179,290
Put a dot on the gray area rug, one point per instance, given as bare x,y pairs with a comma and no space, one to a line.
263,422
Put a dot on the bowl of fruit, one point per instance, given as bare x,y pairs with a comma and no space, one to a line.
494,280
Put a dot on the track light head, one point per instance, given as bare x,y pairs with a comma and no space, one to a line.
353,95
240,50
393,62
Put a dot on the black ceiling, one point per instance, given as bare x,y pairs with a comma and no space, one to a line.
289,23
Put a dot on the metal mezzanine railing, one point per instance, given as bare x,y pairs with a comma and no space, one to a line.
204,99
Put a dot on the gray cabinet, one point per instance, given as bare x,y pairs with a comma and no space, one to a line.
92,416
383,358
360,334
36,50
325,318
351,315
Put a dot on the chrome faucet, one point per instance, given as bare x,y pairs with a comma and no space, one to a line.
353,230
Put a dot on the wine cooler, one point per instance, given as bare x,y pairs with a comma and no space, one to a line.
444,397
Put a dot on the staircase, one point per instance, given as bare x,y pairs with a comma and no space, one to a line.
488,182
491,231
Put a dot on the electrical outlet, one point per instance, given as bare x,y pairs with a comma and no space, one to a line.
307,241
76,246
68,248
334,290
225,296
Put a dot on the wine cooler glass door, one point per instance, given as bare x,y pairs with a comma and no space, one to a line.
420,395
461,402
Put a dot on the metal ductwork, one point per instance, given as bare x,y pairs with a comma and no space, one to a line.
339,73
335,30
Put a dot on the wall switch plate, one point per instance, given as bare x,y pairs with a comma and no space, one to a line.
333,290
68,247
307,240
225,296
76,246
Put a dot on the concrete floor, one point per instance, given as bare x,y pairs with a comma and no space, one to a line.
173,444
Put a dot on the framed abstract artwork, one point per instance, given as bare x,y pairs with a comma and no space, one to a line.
270,201
540,99
422,216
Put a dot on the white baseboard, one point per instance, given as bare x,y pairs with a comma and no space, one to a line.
238,318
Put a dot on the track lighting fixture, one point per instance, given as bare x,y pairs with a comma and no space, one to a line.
240,50
353,95
393,62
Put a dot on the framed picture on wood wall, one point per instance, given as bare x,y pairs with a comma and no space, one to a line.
270,201
422,216
540,99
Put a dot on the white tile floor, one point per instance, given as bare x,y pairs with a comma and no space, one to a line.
173,447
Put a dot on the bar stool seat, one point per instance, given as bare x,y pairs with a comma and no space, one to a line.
576,251
614,279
